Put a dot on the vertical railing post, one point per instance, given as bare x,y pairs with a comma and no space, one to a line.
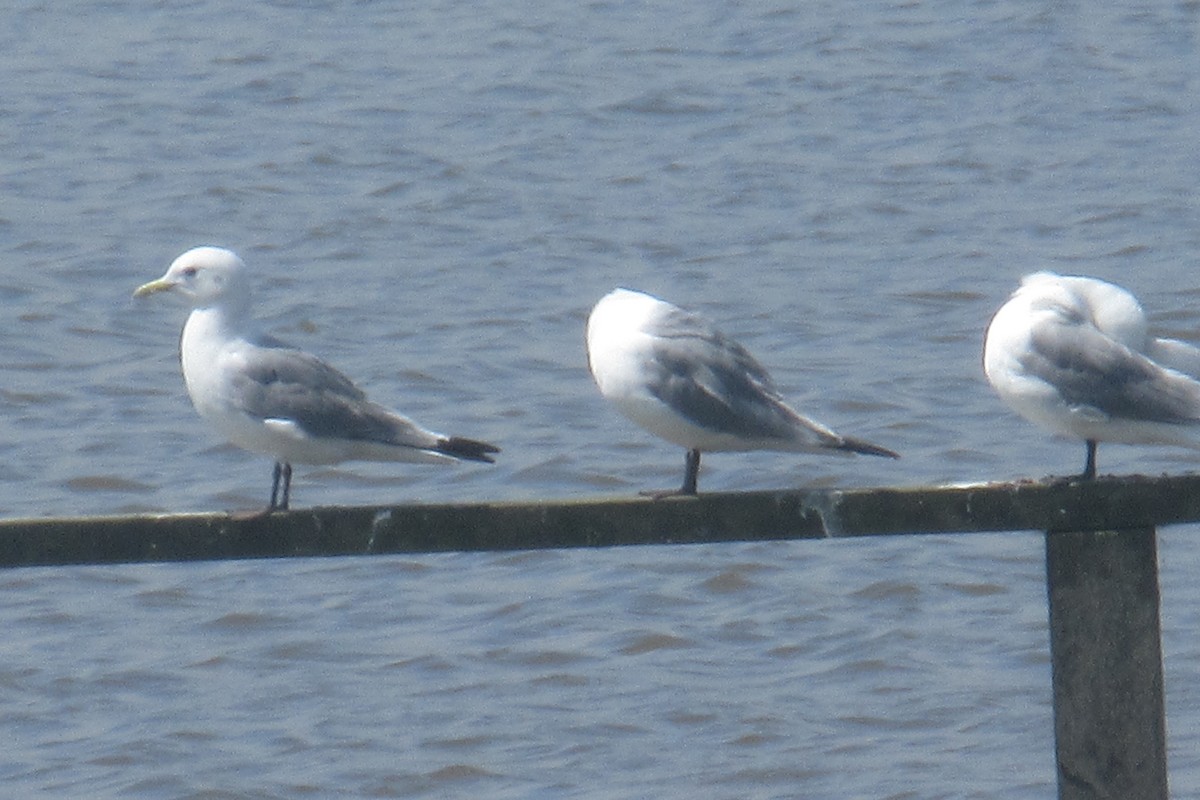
1106,655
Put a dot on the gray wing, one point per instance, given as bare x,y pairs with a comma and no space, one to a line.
283,383
1090,369
713,381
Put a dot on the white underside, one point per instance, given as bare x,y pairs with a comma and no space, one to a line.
1046,408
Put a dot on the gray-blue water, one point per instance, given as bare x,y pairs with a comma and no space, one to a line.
432,198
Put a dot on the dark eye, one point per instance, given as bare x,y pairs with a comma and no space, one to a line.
189,272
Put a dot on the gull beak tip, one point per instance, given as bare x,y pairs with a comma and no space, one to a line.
153,287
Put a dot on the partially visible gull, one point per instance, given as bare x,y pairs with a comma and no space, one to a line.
269,398
678,377
1073,355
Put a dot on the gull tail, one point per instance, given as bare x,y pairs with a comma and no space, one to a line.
865,448
466,449
1179,356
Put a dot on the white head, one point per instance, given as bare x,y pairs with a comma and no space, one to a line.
207,277
1110,308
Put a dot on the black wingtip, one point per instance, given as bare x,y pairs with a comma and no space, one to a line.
866,448
468,449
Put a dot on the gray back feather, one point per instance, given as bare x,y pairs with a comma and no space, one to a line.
284,383
713,381
1090,369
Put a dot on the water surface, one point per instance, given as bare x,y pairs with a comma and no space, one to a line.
432,199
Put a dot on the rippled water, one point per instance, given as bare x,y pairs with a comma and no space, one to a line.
432,199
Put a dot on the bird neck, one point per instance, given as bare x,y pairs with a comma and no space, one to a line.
214,324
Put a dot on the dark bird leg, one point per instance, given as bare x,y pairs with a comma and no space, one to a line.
282,474
287,486
1089,467
280,478
691,471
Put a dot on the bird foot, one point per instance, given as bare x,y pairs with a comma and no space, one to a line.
250,514
663,494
